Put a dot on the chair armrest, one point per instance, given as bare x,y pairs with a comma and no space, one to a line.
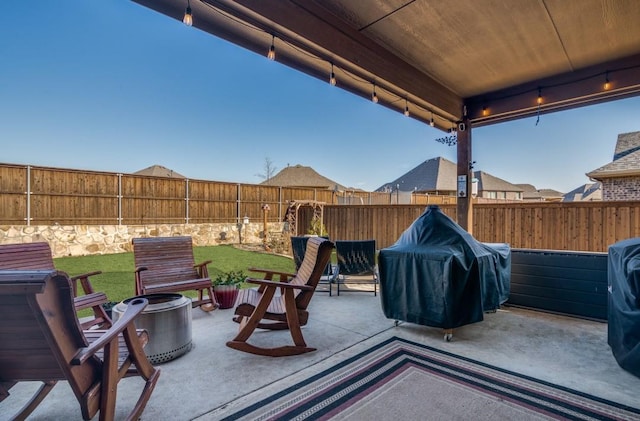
134,308
85,275
276,284
197,265
202,268
141,268
272,272
90,300
84,282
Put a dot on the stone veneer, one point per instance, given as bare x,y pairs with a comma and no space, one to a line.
81,240
623,188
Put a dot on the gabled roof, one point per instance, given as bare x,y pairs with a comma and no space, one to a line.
435,174
529,192
440,174
626,159
627,143
301,176
159,171
488,182
586,192
550,193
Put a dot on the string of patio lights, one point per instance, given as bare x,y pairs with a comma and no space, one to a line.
451,138
333,80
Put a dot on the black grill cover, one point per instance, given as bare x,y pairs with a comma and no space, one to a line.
438,275
624,303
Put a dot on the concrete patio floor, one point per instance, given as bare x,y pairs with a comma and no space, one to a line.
201,384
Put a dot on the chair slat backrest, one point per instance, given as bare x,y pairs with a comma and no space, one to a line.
299,247
167,259
356,257
39,329
26,256
316,257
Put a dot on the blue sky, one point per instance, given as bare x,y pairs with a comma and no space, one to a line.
113,86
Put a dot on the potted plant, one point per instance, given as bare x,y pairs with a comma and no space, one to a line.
108,308
226,286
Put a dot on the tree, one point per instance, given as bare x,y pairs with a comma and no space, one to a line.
269,170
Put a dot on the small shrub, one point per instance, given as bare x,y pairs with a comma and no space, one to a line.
230,278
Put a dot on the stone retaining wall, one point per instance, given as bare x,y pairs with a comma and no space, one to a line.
81,240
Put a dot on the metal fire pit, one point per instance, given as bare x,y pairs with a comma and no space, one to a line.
167,319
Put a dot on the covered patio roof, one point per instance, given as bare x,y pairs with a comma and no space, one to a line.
494,59
452,64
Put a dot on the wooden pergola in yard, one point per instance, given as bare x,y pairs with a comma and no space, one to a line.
452,64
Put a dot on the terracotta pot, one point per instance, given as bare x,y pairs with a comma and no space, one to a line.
226,295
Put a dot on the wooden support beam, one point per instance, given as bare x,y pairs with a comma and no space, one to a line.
465,175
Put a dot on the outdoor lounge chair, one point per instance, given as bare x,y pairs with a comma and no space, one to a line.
299,246
166,264
37,256
263,308
357,263
41,340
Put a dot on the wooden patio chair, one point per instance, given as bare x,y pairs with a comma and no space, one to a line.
298,247
166,264
41,340
37,256
262,308
357,263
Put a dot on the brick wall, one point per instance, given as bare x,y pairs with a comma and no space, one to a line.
622,188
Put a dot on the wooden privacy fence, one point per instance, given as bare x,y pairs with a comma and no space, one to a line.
32,195
46,196
591,226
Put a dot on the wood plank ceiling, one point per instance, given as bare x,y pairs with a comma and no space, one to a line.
490,58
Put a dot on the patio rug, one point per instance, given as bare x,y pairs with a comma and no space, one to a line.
400,379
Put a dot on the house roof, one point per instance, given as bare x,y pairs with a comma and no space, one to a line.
301,176
550,194
440,174
488,182
627,143
159,171
487,59
435,174
529,192
626,158
586,192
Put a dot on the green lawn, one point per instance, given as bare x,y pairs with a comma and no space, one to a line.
118,282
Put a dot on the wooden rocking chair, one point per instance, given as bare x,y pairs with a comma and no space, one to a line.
37,256
262,308
41,340
166,265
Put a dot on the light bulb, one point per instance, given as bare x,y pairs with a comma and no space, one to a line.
485,112
188,17
539,96
332,77
406,108
374,97
431,122
271,55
